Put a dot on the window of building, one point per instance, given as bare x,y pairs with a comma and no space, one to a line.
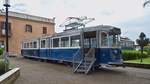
56,42
2,44
43,43
3,28
65,42
75,41
44,30
28,28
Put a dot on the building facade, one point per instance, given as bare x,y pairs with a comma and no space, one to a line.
126,43
23,26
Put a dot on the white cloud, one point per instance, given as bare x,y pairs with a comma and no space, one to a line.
110,12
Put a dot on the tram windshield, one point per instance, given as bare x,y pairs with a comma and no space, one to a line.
113,40
109,40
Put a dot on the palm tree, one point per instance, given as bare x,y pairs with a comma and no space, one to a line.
142,41
146,3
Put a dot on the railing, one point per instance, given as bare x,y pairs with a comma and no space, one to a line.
90,54
77,60
89,59
84,64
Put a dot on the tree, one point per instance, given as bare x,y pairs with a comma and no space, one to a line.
142,41
146,3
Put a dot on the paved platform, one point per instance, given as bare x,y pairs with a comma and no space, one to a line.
35,72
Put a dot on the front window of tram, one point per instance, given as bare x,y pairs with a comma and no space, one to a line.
113,40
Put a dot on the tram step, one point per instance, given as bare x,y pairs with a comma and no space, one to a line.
87,61
85,64
83,67
81,70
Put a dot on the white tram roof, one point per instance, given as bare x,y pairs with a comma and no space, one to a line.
86,29
72,32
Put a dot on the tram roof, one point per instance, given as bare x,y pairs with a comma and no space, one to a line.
86,29
105,28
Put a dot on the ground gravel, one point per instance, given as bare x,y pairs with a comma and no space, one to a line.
36,72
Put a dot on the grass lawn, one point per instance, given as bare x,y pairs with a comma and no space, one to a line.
145,61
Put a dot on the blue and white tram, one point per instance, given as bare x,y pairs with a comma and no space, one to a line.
63,46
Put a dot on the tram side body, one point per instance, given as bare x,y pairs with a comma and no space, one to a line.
102,55
58,54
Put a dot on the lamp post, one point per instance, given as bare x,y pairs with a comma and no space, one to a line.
7,5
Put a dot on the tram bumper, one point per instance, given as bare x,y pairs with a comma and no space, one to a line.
117,64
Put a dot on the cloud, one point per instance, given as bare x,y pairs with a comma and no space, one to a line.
20,7
106,12
129,15
135,26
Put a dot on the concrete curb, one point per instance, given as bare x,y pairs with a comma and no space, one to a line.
147,66
10,76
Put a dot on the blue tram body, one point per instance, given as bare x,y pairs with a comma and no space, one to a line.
64,46
51,54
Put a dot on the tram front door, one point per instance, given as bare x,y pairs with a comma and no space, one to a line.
89,42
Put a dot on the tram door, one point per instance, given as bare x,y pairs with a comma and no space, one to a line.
89,41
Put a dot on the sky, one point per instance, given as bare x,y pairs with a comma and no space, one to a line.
129,15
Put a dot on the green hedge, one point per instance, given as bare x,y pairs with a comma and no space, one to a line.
147,49
3,66
1,51
133,54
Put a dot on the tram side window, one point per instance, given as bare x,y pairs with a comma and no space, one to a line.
111,40
34,44
86,43
24,45
104,40
75,41
65,42
31,46
43,43
28,45
56,42
48,43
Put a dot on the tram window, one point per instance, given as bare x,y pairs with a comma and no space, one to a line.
48,43
75,41
65,42
104,40
31,45
93,42
56,42
113,40
23,45
34,44
43,43
27,45
86,43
